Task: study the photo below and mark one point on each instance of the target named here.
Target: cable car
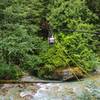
(51, 40)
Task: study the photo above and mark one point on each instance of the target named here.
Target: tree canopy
(22, 47)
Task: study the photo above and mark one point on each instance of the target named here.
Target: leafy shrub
(20, 44)
(9, 72)
(19, 26)
(52, 57)
(69, 50)
(68, 14)
(78, 51)
(20, 48)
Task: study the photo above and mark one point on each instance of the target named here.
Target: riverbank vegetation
(22, 48)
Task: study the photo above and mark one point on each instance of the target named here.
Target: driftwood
(22, 82)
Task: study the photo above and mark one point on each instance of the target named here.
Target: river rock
(67, 74)
(27, 95)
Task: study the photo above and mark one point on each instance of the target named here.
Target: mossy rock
(64, 74)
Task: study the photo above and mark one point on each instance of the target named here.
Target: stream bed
(85, 89)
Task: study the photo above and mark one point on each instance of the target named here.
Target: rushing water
(69, 90)
(86, 89)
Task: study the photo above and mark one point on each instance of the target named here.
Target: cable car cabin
(51, 40)
(46, 31)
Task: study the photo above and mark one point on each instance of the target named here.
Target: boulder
(64, 74)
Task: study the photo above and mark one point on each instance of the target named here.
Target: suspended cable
(79, 31)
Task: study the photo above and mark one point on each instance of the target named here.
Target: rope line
(82, 31)
(78, 65)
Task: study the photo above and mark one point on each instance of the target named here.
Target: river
(85, 89)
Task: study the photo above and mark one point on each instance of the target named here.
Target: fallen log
(22, 82)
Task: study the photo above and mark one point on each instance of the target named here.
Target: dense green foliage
(63, 14)
(9, 72)
(71, 48)
(19, 41)
(94, 5)
(21, 44)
